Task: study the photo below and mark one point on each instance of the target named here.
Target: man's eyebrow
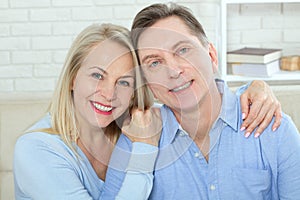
(174, 47)
(182, 42)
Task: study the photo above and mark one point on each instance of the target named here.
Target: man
(203, 153)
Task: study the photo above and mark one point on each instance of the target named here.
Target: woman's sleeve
(42, 172)
(130, 173)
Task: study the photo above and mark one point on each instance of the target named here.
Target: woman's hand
(259, 105)
(143, 126)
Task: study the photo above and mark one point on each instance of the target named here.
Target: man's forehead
(160, 38)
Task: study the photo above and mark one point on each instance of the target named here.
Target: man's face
(177, 67)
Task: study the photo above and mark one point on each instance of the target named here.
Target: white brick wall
(35, 35)
(275, 26)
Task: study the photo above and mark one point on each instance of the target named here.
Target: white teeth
(182, 87)
(102, 108)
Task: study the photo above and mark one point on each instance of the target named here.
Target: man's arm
(289, 161)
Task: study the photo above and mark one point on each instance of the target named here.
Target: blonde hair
(62, 108)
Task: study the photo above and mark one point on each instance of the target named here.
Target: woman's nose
(108, 91)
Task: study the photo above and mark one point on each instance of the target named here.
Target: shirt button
(182, 133)
(225, 124)
(196, 155)
(212, 187)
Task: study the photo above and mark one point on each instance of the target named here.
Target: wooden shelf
(259, 1)
(280, 76)
(283, 77)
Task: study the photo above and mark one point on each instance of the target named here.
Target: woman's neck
(97, 148)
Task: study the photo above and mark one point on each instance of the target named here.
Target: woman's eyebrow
(128, 76)
(99, 68)
(149, 57)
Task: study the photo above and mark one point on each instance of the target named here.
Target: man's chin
(186, 106)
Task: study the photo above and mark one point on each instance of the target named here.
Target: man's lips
(182, 87)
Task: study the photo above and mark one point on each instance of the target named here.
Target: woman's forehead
(106, 53)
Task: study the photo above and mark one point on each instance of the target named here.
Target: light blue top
(267, 167)
(46, 168)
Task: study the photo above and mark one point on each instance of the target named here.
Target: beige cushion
(16, 116)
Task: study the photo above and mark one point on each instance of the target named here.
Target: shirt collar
(170, 126)
(229, 109)
(228, 114)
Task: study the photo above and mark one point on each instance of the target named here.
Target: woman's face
(104, 85)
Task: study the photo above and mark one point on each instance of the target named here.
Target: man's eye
(183, 50)
(124, 83)
(154, 64)
(97, 75)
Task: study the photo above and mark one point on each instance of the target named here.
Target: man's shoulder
(286, 135)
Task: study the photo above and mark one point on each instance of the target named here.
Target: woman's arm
(43, 171)
(138, 180)
(130, 173)
(259, 105)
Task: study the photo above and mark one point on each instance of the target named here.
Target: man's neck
(198, 121)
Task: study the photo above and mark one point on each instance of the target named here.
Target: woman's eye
(97, 75)
(124, 83)
(154, 64)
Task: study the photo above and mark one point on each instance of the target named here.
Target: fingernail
(243, 128)
(256, 135)
(243, 115)
(274, 129)
(247, 134)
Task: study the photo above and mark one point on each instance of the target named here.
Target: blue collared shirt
(267, 167)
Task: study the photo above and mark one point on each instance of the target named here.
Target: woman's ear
(73, 83)
(213, 56)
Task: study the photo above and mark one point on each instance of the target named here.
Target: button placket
(196, 154)
(212, 187)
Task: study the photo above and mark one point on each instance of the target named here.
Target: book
(253, 55)
(254, 69)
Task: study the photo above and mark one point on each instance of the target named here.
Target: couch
(18, 114)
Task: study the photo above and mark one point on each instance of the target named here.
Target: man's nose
(174, 67)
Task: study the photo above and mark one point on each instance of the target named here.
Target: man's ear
(213, 56)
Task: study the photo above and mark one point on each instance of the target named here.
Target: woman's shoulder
(36, 146)
(37, 132)
(37, 140)
(44, 122)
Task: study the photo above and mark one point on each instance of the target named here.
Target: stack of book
(258, 62)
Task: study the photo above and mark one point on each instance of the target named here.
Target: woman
(65, 154)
